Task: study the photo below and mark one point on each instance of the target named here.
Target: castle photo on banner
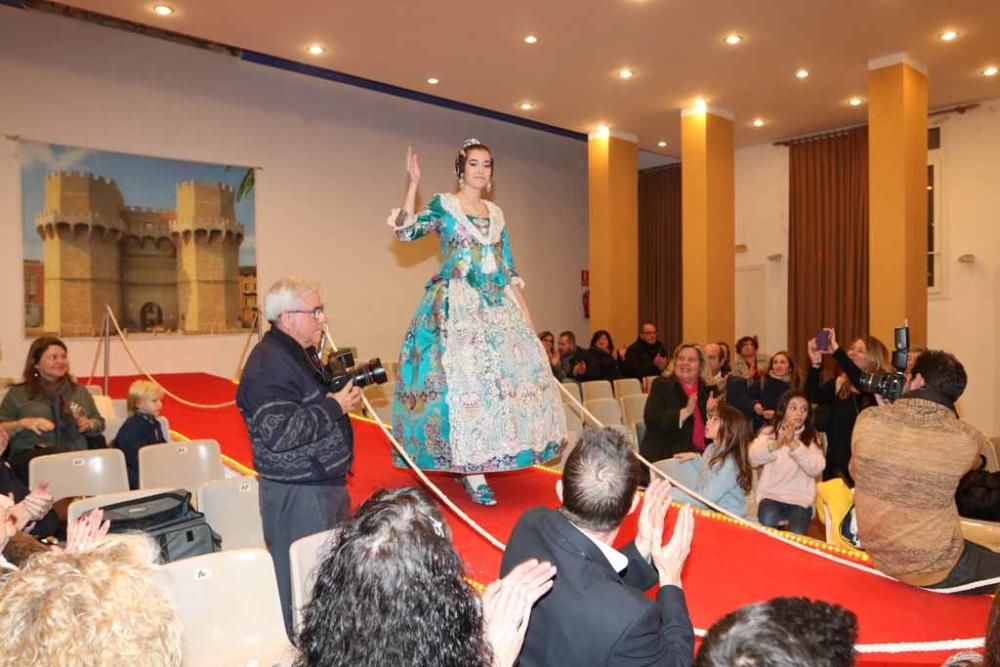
(168, 244)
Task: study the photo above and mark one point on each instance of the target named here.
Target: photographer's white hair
(286, 294)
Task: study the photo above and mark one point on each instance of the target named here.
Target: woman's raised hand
(412, 166)
(815, 356)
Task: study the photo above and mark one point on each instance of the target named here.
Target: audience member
(677, 407)
(790, 453)
(392, 592)
(572, 360)
(604, 358)
(47, 412)
(647, 356)
(722, 474)
(783, 632)
(908, 459)
(714, 377)
(549, 344)
(145, 400)
(745, 365)
(841, 398)
(32, 510)
(101, 604)
(597, 612)
(764, 394)
(727, 358)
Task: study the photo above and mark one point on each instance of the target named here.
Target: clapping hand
(507, 607)
(691, 406)
(37, 425)
(86, 530)
(412, 166)
(669, 558)
(655, 502)
(39, 501)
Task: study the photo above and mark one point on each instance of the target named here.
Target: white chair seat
(90, 472)
(597, 389)
(627, 387)
(305, 557)
(232, 509)
(180, 465)
(606, 410)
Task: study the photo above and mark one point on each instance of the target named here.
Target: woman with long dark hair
(791, 457)
(604, 361)
(764, 394)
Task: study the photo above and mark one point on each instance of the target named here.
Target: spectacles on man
(316, 312)
(649, 333)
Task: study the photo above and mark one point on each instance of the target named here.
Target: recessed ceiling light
(758, 122)
(733, 39)
(603, 130)
(948, 36)
(526, 106)
(625, 73)
(661, 144)
(701, 103)
(316, 50)
(802, 73)
(855, 101)
(990, 71)
(530, 39)
(433, 81)
(163, 10)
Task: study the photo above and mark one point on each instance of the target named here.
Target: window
(934, 234)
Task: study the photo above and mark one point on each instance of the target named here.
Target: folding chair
(183, 465)
(78, 508)
(606, 410)
(229, 608)
(105, 406)
(232, 509)
(119, 407)
(597, 389)
(627, 387)
(633, 408)
(94, 389)
(85, 473)
(574, 389)
(305, 556)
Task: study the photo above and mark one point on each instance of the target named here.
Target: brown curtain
(828, 237)
(660, 251)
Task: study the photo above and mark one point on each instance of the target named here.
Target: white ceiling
(675, 47)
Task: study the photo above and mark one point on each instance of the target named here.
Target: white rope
(906, 647)
(442, 496)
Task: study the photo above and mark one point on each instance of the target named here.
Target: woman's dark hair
(30, 378)
(463, 155)
(392, 592)
(597, 336)
(809, 435)
(794, 381)
(726, 357)
(734, 438)
(744, 340)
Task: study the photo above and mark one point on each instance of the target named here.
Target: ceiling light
(163, 10)
(625, 73)
(661, 144)
(603, 130)
(802, 74)
(733, 39)
(316, 50)
(948, 36)
(701, 104)
(526, 106)
(990, 71)
(758, 122)
(530, 39)
(855, 101)
(433, 81)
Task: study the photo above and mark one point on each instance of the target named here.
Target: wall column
(897, 173)
(613, 184)
(708, 225)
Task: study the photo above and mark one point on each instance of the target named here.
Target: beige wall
(332, 167)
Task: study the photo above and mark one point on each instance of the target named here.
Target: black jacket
(639, 359)
(768, 394)
(298, 434)
(593, 615)
(138, 431)
(664, 435)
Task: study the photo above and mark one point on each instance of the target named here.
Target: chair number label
(78, 462)
(182, 449)
(245, 487)
(202, 573)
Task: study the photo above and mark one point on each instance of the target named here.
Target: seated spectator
(101, 604)
(32, 510)
(677, 407)
(908, 459)
(549, 343)
(779, 377)
(604, 358)
(145, 400)
(782, 631)
(727, 358)
(572, 360)
(647, 356)
(722, 474)
(597, 612)
(790, 453)
(714, 363)
(47, 412)
(392, 592)
(745, 365)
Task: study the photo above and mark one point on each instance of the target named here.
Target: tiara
(471, 142)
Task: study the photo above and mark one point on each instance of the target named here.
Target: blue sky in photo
(143, 181)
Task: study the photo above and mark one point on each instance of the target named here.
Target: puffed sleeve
(508, 261)
(424, 223)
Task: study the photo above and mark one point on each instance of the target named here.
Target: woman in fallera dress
(474, 393)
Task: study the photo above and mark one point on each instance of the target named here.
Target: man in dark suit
(597, 612)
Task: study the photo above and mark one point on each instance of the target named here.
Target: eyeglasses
(316, 312)
(649, 333)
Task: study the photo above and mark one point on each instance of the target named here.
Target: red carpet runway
(729, 566)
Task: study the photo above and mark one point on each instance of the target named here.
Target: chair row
(585, 391)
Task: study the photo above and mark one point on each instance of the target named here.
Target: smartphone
(823, 340)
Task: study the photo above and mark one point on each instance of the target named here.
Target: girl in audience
(840, 398)
(47, 412)
(392, 591)
(722, 474)
(790, 453)
(145, 400)
(678, 405)
(745, 365)
(764, 395)
(549, 343)
(604, 361)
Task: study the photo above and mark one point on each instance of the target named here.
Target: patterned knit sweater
(907, 460)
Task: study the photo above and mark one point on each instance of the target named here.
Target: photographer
(301, 435)
(908, 459)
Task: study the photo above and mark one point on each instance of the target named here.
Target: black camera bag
(978, 494)
(178, 529)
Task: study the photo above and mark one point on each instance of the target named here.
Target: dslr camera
(341, 369)
(890, 385)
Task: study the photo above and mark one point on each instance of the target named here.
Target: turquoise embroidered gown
(474, 392)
